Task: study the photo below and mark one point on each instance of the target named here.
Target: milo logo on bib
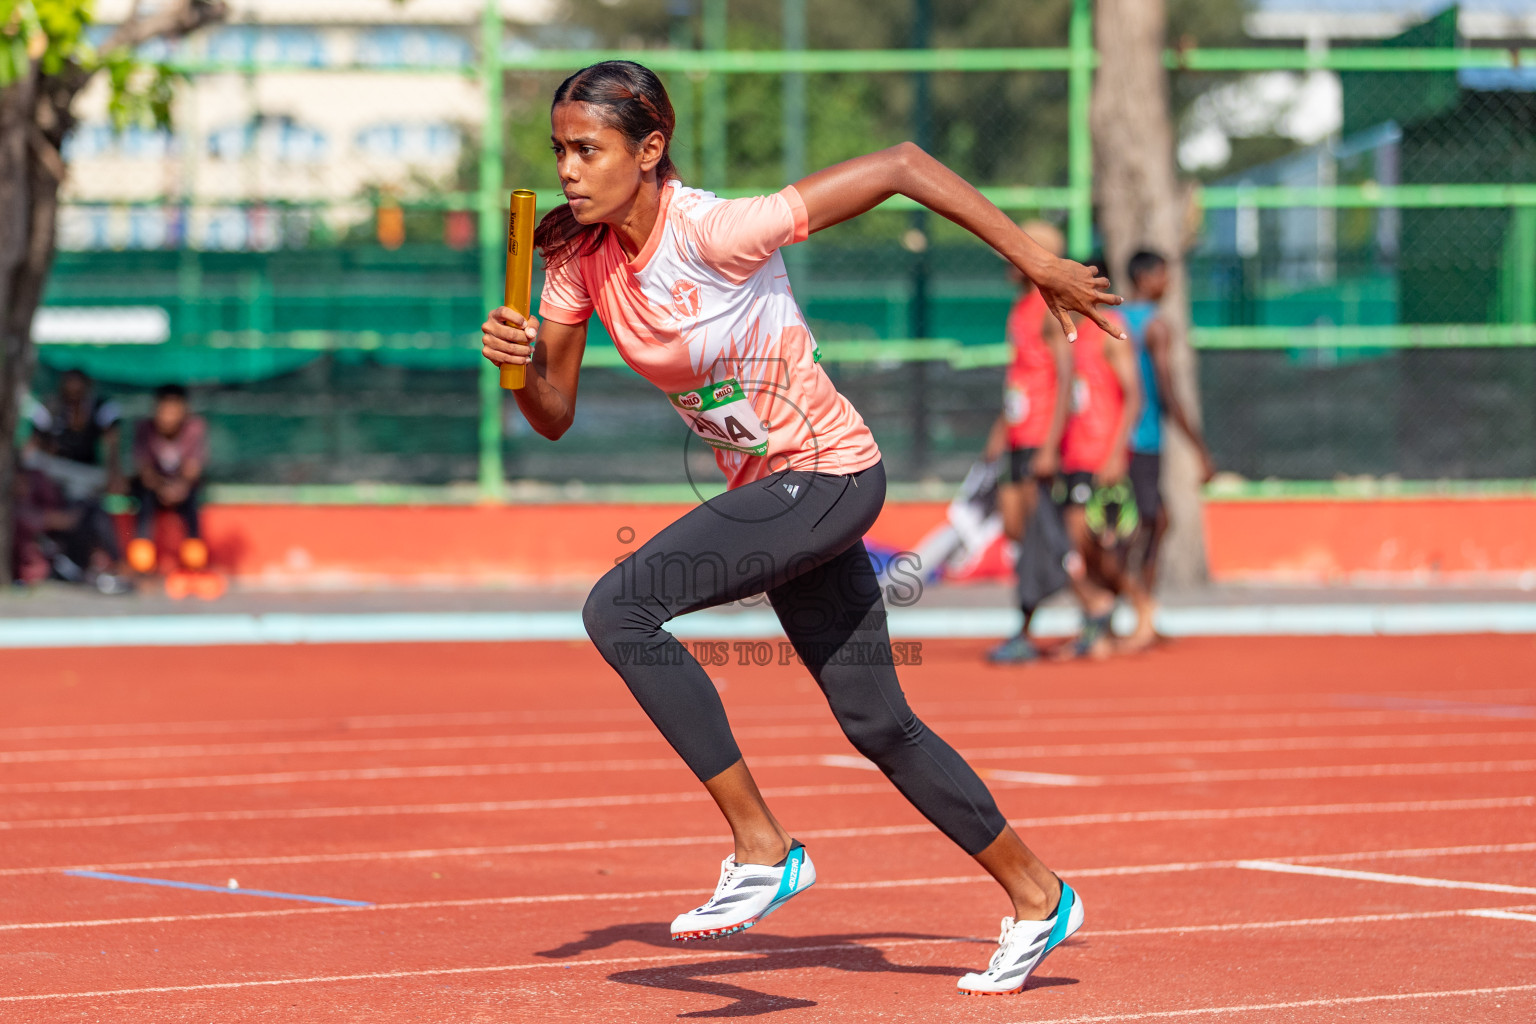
(722, 417)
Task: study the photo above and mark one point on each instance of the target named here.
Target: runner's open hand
(1069, 287)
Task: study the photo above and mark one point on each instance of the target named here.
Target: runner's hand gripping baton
(519, 292)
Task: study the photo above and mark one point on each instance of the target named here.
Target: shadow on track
(772, 953)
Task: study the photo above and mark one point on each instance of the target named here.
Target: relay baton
(519, 293)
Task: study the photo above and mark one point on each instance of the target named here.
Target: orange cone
(178, 585)
(141, 554)
(209, 586)
(193, 555)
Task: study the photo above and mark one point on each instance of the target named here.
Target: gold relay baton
(519, 292)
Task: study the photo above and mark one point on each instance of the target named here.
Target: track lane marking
(1299, 1004)
(694, 893)
(1022, 707)
(859, 948)
(481, 901)
(1376, 876)
(1502, 914)
(1343, 771)
(671, 763)
(227, 890)
(661, 841)
(1134, 723)
(503, 806)
(495, 969)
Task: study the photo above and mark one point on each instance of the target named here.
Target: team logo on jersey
(685, 299)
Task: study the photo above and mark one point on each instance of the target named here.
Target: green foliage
(49, 35)
(48, 32)
(141, 93)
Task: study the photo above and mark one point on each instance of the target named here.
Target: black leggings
(798, 536)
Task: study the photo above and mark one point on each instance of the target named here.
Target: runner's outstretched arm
(855, 186)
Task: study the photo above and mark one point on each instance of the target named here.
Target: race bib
(1079, 395)
(723, 417)
(1015, 404)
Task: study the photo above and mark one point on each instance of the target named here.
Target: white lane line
(1407, 741)
(1503, 915)
(1041, 778)
(1345, 771)
(862, 764)
(761, 955)
(845, 947)
(1409, 854)
(1084, 724)
(581, 846)
(1345, 619)
(1302, 922)
(446, 771)
(1376, 876)
(693, 893)
(671, 763)
(475, 807)
(504, 806)
(1300, 1004)
(1022, 707)
(338, 723)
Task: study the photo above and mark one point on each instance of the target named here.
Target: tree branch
(175, 20)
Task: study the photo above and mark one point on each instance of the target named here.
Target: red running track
(1275, 830)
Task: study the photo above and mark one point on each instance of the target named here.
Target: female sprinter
(693, 290)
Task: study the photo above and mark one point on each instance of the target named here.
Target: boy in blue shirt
(1152, 341)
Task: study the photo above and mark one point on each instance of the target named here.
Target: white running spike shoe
(745, 894)
(1022, 946)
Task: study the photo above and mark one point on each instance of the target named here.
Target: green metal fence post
(793, 91)
(492, 252)
(1520, 267)
(680, 86)
(1080, 130)
(714, 99)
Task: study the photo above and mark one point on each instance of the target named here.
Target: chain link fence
(1363, 275)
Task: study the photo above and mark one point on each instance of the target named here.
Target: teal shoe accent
(789, 884)
(1063, 918)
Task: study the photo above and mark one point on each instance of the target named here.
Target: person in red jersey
(1106, 401)
(1036, 394)
(695, 295)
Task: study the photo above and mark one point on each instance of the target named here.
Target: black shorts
(1018, 464)
(1146, 471)
(1077, 488)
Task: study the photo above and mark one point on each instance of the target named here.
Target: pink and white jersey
(704, 312)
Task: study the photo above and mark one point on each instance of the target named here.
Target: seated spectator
(81, 429)
(170, 450)
(63, 539)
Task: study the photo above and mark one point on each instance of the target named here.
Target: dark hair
(1144, 262)
(165, 391)
(632, 100)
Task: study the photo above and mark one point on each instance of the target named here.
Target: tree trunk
(1141, 205)
(16, 103)
(34, 116)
